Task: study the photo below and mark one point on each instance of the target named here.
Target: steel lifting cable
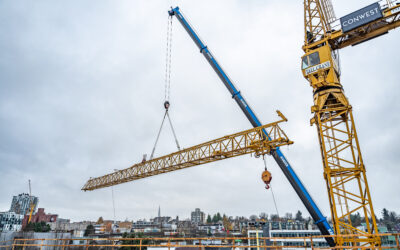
(173, 131)
(158, 136)
(167, 87)
(168, 58)
(168, 76)
(270, 187)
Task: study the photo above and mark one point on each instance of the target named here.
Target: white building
(256, 243)
(99, 228)
(10, 221)
(211, 228)
(285, 239)
(21, 204)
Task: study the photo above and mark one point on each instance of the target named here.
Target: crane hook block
(166, 105)
(267, 178)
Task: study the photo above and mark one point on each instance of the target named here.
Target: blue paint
(204, 50)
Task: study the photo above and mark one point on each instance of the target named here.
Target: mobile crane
(180, 159)
(344, 170)
(276, 153)
(31, 204)
(321, 38)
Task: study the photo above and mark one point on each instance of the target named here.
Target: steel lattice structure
(246, 142)
(344, 169)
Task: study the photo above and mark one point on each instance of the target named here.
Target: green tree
(209, 220)
(299, 216)
(356, 219)
(219, 217)
(133, 239)
(393, 217)
(385, 215)
(89, 230)
(274, 217)
(227, 224)
(39, 227)
(288, 216)
(30, 227)
(100, 220)
(215, 219)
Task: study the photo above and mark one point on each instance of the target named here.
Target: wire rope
(270, 187)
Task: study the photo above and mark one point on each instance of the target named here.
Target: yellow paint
(344, 170)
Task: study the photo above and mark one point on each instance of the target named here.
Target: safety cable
(270, 187)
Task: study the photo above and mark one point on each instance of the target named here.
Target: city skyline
(82, 95)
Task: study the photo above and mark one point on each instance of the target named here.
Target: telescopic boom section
(280, 159)
(246, 142)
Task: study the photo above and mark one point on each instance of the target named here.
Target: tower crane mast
(344, 169)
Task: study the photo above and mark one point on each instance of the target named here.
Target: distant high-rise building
(21, 203)
(197, 216)
(10, 221)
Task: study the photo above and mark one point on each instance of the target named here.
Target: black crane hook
(166, 105)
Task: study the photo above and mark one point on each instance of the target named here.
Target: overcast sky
(82, 88)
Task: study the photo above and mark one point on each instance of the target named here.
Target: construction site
(197, 134)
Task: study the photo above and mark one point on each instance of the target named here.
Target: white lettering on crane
(395, 10)
(244, 103)
(315, 68)
(361, 17)
(284, 161)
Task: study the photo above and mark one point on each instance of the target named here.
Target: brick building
(40, 216)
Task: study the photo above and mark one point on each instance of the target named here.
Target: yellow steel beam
(389, 21)
(338, 39)
(246, 142)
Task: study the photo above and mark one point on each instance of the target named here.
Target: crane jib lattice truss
(246, 142)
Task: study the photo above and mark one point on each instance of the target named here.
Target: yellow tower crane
(344, 170)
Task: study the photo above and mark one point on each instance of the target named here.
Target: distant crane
(31, 203)
(344, 170)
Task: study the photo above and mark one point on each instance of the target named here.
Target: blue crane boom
(280, 159)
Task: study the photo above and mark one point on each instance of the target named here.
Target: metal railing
(6, 244)
(235, 243)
